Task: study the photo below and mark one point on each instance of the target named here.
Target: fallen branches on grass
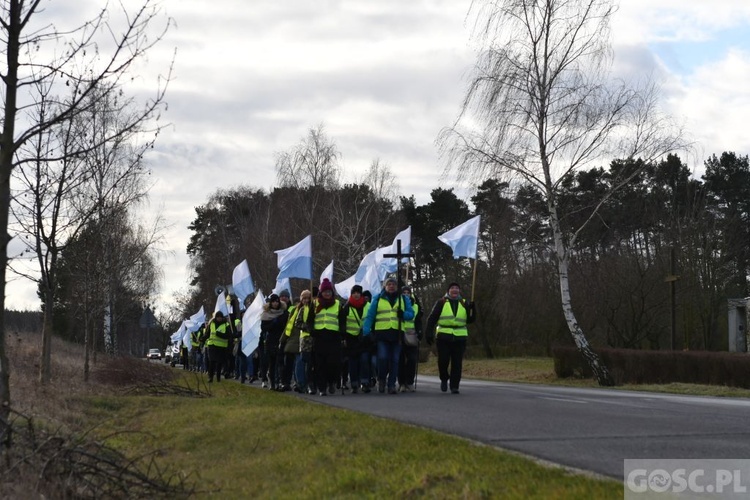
(53, 465)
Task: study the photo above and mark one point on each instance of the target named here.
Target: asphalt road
(588, 429)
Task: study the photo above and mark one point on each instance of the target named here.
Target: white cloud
(250, 79)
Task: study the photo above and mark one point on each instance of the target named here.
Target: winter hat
(357, 289)
(305, 293)
(272, 297)
(284, 293)
(406, 288)
(452, 284)
(390, 279)
(325, 285)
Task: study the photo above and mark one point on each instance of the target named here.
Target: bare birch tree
(95, 56)
(542, 103)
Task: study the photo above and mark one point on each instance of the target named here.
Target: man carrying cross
(385, 321)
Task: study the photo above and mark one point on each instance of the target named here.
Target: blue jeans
(302, 368)
(388, 354)
(359, 368)
(244, 366)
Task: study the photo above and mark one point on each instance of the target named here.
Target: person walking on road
(217, 343)
(329, 326)
(407, 368)
(357, 351)
(272, 325)
(446, 325)
(385, 320)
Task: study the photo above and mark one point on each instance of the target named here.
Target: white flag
(177, 336)
(389, 265)
(327, 273)
(186, 341)
(463, 239)
(196, 320)
(242, 282)
(344, 288)
(251, 324)
(371, 281)
(282, 284)
(371, 260)
(221, 304)
(296, 261)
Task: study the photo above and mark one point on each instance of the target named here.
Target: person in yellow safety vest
(407, 367)
(447, 325)
(329, 327)
(218, 342)
(195, 349)
(385, 320)
(297, 342)
(286, 358)
(357, 350)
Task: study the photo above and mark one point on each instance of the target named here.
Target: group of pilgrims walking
(320, 344)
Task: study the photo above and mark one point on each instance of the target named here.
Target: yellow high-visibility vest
(293, 320)
(386, 317)
(354, 320)
(409, 325)
(328, 318)
(214, 339)
(450, 324)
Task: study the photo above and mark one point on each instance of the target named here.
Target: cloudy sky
(384, 77)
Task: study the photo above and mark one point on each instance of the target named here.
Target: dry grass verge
(52, 453)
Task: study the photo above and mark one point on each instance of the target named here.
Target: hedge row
(631, 366)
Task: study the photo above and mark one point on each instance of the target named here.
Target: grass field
(243, 442)
(541, 371)
(248, 443)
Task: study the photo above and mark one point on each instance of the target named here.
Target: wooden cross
(398, 256)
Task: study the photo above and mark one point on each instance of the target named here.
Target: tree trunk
(45, 371)
(7, 149)
(86, 339)
(601, 373)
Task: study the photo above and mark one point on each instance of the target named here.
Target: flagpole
(474, 280)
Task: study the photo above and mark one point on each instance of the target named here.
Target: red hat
(325, 285)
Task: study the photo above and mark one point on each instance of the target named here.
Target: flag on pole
(221, 304)
(344, 288)
(371, 260)
(389, 265)
(251, 324)
(196, 320)
(177, 336)
(327, 273)
(282, 284)
(295, 261)
(372, 280)
(242, 282)
(186, 341)
(463, 239)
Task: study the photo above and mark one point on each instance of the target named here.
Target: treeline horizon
(618, 265)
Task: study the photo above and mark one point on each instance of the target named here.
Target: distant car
(154, 354)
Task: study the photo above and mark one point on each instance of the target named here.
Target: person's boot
(444, 385)
(381, 387)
